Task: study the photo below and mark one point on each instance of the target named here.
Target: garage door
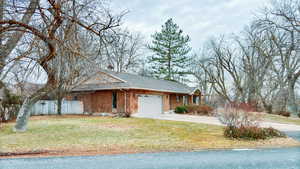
(150, 104)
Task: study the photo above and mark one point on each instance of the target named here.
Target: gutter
(120, 88)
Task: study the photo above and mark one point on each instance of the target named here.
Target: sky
(200, 19)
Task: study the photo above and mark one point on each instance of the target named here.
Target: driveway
(212, 120)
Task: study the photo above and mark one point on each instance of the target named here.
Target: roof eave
(138, 88)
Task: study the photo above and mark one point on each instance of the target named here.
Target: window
(75, 98)
(177, 98)
(185, 100)
(114, 100)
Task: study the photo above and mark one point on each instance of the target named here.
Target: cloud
(200, 19)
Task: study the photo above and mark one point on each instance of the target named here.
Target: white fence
(47, 107)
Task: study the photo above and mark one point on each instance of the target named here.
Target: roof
(131, 81)
(24, 88)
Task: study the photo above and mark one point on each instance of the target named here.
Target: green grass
(281, 119)
(86, 133)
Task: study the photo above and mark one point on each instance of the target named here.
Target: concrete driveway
(212, 120)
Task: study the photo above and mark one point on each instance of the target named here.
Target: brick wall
(101, 101)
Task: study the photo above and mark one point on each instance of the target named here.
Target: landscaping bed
(89, 135)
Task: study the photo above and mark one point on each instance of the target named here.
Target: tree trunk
(13, 40)
(24, 112)
(23, 115)
(268, 107)
(2, 58)
(59, 105)
(169, 69)
(291, 101)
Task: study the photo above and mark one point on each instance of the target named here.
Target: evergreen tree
(170, 48)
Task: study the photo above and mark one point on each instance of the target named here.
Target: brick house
(111, 92)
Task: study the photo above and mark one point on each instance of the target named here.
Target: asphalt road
(281, 158)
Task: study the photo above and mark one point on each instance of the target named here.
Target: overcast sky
(200, 19)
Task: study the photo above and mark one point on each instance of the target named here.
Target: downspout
(125, 99)
(125, 106)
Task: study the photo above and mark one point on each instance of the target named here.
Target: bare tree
(261, 64)
(198, 69)
(256, 54)
(282, 18)
(124, 52)
(49, 16)
(10, 35)
(222, 69)
(215, 76)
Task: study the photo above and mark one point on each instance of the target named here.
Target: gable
(197, 92)
(102, 78)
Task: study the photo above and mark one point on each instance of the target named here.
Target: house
(24, 89)
(112, 92)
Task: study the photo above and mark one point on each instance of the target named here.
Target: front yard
(87, 135)
(281, 119)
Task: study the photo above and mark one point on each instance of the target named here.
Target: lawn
(104, 135)
(281, 119)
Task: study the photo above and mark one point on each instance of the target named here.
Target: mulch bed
(5, 154)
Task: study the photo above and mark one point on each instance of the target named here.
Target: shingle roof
(131, 81)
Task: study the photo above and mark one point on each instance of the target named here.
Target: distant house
(24, 89)
(111, 92)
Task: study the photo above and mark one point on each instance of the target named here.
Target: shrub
(200, 109)
(180, 109)
(123, 114)
(191, 109)
(244, 124)
(299, 115)
(234, 117)
(271, 132)
(284, 113)
(252, 133)
(9, 106)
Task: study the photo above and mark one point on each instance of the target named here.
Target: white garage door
(150, 104)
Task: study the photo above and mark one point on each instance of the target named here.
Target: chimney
(110, 67)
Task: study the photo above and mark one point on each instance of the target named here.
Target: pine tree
(170, 48)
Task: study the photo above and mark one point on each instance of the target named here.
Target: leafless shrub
(232, 116)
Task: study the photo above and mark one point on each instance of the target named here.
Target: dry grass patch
(281, 119)
(101, 135)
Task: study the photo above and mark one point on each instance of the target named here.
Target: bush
(181, 110)
(200, 109)
(299, 115)
(9, 106)
(284, 113)
(235, 117)
(271, 132)
(123, 114)
(244, 124)
(251, 133)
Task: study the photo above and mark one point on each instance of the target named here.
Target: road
(281, 158)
